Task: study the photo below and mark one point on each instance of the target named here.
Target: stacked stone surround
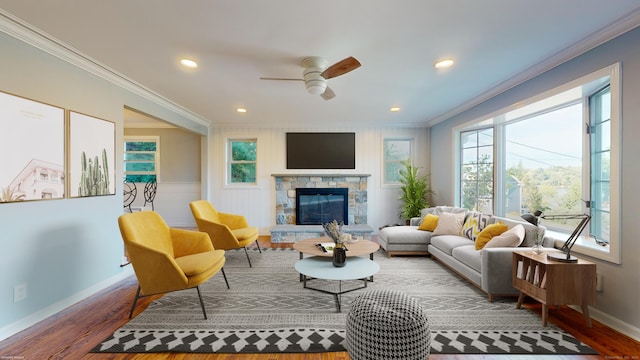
(286, 229)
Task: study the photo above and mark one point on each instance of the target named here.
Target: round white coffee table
(317, 267)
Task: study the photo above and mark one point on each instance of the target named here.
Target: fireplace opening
(316, 206)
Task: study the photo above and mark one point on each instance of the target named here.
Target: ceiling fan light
(316, 87)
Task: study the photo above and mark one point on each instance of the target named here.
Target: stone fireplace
(287, 230)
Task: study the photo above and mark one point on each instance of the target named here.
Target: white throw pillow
(510, 238)
(449, 224)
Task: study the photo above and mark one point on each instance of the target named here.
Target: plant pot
(339, 256)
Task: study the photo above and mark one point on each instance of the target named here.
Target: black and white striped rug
(267, 311)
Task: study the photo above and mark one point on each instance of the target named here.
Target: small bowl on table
(353, 239)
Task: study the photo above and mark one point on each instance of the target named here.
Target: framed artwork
(31, 150)
(91, 156)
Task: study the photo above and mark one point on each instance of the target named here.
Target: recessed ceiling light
(443, 64)
(394, 109)
(189, 63)
(241, 110)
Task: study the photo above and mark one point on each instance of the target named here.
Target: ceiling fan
(316, 73)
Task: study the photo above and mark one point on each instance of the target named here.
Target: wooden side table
(554, 283)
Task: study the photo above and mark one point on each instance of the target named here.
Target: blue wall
(63, 250)
(617, 305)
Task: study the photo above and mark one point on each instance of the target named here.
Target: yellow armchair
(227, 231)
(166, 259)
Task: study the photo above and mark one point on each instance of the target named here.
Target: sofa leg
(491, 298)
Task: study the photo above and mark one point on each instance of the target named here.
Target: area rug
(268, 311)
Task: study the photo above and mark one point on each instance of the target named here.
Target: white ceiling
(496, 44)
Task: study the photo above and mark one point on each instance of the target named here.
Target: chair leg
(247, 253)
(225, 278)
(201, 302)
(258, 245)
(135, 301)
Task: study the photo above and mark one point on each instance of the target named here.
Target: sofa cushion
(529, 229)
(437, 210)
(475, 222)
(446, 243)
(488, 233)
(449, 224)
(404, 235)
(429, 223)
(510, 238)
(468, 255)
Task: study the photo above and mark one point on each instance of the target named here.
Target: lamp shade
(530, 218)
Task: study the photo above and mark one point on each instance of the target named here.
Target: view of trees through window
(554, 155)
(543, 158)
(395, 152)
(140, 159)
(477, 170)
(242, 161)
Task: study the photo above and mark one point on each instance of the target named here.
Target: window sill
(584, 246)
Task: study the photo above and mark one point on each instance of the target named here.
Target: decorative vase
(538, 239)
(537, 248)
(339, 256)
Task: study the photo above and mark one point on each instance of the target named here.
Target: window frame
(229, 162)
(584, 245)
(385, 161)
(142, 138)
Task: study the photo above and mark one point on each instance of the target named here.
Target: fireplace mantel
(320, 175)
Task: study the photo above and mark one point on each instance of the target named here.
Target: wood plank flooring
(72, 333)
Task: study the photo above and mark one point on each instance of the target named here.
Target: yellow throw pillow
(488, 233)
(429, 222)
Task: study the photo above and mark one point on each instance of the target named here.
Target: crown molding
(29, 34)
(617, 28)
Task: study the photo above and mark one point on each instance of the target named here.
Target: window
(476, 185)
(395, 152)
(600, 151)
(242, 161)
(141, 158)
(557, 153)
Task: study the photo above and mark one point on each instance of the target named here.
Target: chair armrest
(188, 242)
(233, 221)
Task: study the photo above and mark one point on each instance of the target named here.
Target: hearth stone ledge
(293, 233)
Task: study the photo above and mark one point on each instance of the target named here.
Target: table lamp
(566, 247)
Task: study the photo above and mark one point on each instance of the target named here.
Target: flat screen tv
(321, 150)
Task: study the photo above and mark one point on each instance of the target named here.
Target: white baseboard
(612, 322)
(55, 308)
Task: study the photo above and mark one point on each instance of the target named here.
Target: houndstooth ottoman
(386, 324)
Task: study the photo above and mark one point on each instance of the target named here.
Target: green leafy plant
(415, 191)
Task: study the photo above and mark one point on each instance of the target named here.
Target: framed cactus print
(31, 150)
(91, 156)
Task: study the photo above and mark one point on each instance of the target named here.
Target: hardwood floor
(72, 333)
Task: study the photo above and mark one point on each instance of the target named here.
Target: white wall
(618, 305)
(257, 203)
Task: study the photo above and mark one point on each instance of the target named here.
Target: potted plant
(415, 191)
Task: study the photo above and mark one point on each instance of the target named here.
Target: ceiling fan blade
(280, 79)
(341, 67)
(328, 94)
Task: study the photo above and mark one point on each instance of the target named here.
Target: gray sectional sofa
(488, 268)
